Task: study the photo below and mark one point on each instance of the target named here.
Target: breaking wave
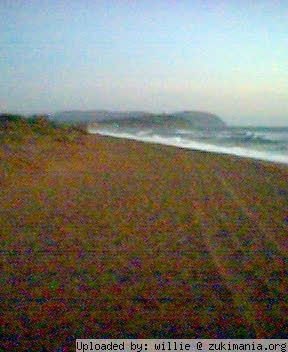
(203, 141)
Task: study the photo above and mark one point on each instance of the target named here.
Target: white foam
(196, 145)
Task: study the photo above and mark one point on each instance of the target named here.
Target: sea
(262, 143)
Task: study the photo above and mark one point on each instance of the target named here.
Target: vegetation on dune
(19, 128)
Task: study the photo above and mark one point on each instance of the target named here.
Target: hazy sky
(226, 57)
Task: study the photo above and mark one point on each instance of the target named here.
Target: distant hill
(183, 119)
(97, 115)
(200, 119)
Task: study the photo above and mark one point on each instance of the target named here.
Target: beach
(106, 237)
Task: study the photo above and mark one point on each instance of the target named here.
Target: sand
(115, 238)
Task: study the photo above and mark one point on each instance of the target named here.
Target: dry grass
(111, 238)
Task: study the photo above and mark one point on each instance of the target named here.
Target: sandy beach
(115, 238)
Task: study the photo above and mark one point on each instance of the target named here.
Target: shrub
(6, 119)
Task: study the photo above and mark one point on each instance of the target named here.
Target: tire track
(238, 200)
(253, 217)
(245, 252)
(254, 288)
(240, 297)
(224, 179)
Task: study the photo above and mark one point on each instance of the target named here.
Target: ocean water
(262, 143)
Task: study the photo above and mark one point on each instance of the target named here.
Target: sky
(225, 57)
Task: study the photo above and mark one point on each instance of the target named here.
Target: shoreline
(283, 164)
